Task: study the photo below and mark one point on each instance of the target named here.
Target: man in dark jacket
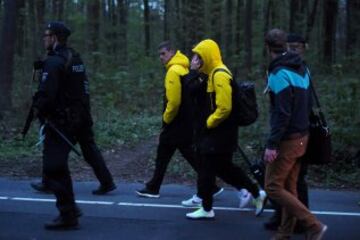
(177, 130)
(217, 131)
(296, 44)
(85, 136)
(62, 105)
(290, 100)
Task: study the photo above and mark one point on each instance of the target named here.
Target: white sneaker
(194, 201)
(201, 214)
(244, 197)
(259, 203)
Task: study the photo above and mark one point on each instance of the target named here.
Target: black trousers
(165, 151)
(221, 165)
(55, 166)
(92, 156)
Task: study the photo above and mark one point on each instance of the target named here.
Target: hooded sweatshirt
(217, 132)
(218, 85)
(177, 67)
(290, 98)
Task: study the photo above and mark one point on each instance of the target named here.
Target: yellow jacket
(177, 66)
(209, 52)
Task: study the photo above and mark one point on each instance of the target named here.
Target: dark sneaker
(40, 187)
(61, 223)
(101, 190)
(147, 193)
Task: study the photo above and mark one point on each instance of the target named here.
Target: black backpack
(244, 109)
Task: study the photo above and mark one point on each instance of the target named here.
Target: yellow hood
(178, 59)
(209, 52)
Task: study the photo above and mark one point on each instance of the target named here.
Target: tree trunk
(330, 15)
(166, 20)
(40, 22)
(311, 21)
(93, 25)
(58, 9)
(352, 27)
(238, 36)
(229, 33)
(147, 28)
(7, 40)
(216, 20)
(123, 6)
(248, 36)
(20, 28)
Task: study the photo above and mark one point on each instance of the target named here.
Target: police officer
(63, 108)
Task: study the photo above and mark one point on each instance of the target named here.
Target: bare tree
(7, 38)
(166, 20)
(216, 20)
(311, 21)
(123, 6)
(330, 15)
(229, 32)
(147, 27)
(352, 27)
(93, 20)
(248, 36)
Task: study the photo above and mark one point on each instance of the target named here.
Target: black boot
(40, 187)
(65, 221)
(103, 189)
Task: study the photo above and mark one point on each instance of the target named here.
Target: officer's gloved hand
(38, 64)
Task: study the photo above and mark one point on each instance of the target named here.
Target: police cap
(59, 29)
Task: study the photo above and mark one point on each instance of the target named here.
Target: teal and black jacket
(290, 97)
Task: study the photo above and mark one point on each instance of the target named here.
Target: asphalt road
(123, 215)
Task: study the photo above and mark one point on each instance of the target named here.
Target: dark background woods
(118, 41)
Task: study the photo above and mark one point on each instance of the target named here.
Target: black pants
(92, 156)
(165, 151)
(221, 165)
(55, 167)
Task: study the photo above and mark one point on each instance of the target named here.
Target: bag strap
(315, 96)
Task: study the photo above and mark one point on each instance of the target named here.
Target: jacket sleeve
(223, 100)
(48, 87)
(173, 95)
(281, 108)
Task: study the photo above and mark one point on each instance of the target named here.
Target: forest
(118, 42)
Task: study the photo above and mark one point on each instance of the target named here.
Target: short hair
(295, 38)
(276, 40)
(167, 45)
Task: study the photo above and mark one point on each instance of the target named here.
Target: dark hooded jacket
(290, 97)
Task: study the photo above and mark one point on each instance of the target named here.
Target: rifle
(30, 115)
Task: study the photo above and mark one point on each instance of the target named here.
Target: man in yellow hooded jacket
(177, 130)
(218, 133)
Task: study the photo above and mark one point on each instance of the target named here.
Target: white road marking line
(155, 205)
(95, 202)
(32, 199)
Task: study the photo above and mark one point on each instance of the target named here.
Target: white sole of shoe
(147, 195)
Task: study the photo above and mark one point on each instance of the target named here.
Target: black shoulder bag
(319, 146)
